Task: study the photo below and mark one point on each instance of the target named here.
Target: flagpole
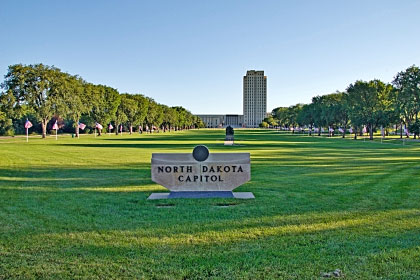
(27, 135)
(56, 132)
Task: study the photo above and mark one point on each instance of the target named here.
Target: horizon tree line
(44, 94)
(365, 106)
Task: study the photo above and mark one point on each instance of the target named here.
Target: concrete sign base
(201, 194)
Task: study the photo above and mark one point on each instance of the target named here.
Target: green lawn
(77, 208)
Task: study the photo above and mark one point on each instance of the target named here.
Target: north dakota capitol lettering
(214, 172)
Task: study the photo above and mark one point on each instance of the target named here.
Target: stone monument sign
(201, 174)
(229, 139)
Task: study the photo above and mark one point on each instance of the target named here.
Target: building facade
(214, 121)
(254, 98)
(254, 104)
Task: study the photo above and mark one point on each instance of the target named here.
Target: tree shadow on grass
(209, 135)
(180, 138)
(251, 141)
(67, 177)
(153, 146)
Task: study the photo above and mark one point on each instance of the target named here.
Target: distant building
(214, 121)
(254, 104)
(254, 98)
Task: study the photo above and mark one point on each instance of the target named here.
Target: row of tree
(364, 105)
(40, 93)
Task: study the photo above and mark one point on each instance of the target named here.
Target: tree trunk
(371, 132)
(76, 129)
(116, 128)
(131, 129)
(44, 128)
(355, 133)
(401, 130)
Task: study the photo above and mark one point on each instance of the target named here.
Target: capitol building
(254, 104)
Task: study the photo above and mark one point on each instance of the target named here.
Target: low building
(214, 121)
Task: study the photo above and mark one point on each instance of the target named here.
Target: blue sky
(195, 53)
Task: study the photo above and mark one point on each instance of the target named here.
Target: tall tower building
(254, 98)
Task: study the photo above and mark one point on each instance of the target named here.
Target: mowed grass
(77, 208)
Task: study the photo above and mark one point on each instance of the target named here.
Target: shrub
(9, 132)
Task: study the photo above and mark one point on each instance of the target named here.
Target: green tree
(343, 115)
(40, 87)
(317, 109)
(7, 113)
(181, 117)
(330, 110)
(306, 116)
(105, 102)
(264, 124)
(280, 114)
(271, 121)
(143, 104)
(154, 117)
(407, 95)
(198, 122)
(370, 103)
(335, 111)
(78, 99)
(169, 117)
(128, 111)
(292, 114)
(287, 116)
(189, 118)
(120, 116)
(6, 124)
(414, 127)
